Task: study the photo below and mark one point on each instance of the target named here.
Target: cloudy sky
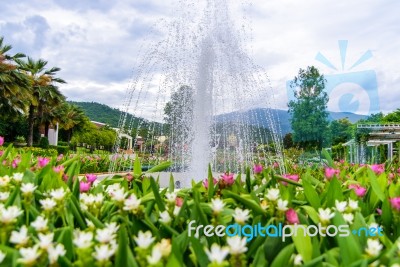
(96, 43)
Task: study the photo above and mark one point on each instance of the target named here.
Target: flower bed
(48, 216)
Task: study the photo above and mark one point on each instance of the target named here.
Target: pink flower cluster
(378, 168)
(358, 189)
(42, 162)
(291, 216)
(257, 169)
(85, 186)
(226, 179)
(331, 172)
(395, 202)
(293, 177)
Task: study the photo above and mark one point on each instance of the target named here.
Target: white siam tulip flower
(103, 252)
(58, 194)
(298, 260)
(4, 180)
(171, 197)
(112, 227)
(164, 246)
(10, 214)
(132, 203)
(164, 217)
(217, 205)
(348, 217)
(325, 215)
(90, 224)
(4, 196)
(374, 247)
(217, 254)
(237, 245)
(105, 235)
(48, 204)
(118, 195)
(20, 238)
(55, 252)
(29, 255)
(87, 199)
(17, 177)
(272, 194)
(40, 224)
(27, 189)
(2, 256)
(45, 241)
(155, 256)
(144, 239)
(82, 239)
(282, 205)
(340, 205)
(99, 199)
(241, 216)
(353, 204)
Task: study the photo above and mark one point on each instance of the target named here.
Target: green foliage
(309, 116)
(44, 142)
(37, 151)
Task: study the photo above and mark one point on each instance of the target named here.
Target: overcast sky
(96, 43)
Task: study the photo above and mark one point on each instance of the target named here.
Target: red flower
(227, 178)
(179, 201)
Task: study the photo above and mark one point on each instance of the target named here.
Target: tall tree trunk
(31, 122)
(46, 129)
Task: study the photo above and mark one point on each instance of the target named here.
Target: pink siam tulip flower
(359, 190)
(227, 178)
(293, 177)
(379, 211)
(65, 177)
(378, 168)
(330, 172)
(84, 186)
(43, 161)
(391, 175)
(60, 157)
(129, 177)
(205, 182)
(1, 153)
(395, 203)
(15, 163)
(398, 170)
(179, 201)
(276, 165)
(258, 168)
(90, 177)
(1, 140)
(291, 216)
(59, 168)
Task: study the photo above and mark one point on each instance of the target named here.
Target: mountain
(259, 117)
(102, 113)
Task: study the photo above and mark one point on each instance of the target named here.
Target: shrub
(44, 142)
(37, 151)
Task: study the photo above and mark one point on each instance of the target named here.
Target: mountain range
(257, 116)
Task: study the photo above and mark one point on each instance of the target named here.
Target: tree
(179, 113)
(341, 131)
(392, 117)
(43, 89)
(71, 117)
(13, 84)
(309, 118)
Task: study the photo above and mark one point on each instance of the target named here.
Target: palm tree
(13, 84)
(72, 117)
(44, 92)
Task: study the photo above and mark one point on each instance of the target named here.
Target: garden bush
(44, 142)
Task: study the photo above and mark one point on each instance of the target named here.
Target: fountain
(199, 79)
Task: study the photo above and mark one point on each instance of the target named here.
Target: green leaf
(334, 192)
(171, 183)
(302, 242)
(311, 194)
(137, 168)
(325, 154)
(248, 180)
(201, 255)
(94, 220)
(157, 197)
(283, 258)
(249, 203)
(312, 213)
(121, 258)
(160, 167)
(349, 248)
(210, 183)
(375, 185)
